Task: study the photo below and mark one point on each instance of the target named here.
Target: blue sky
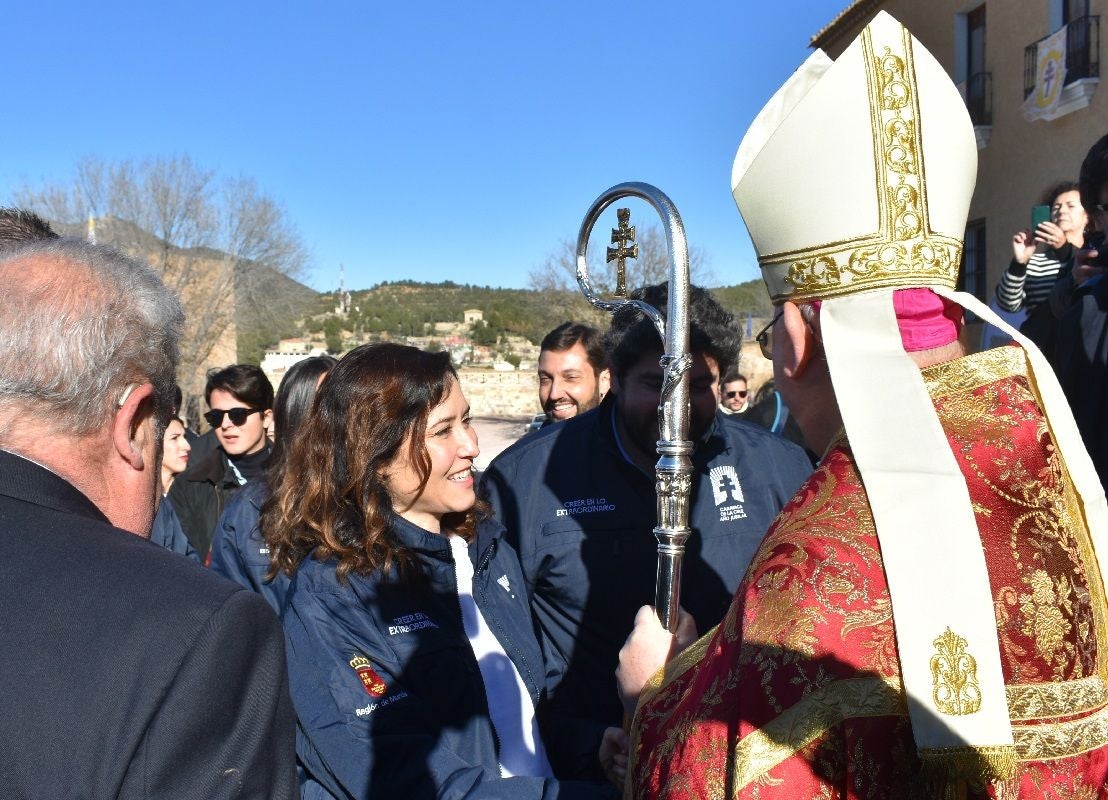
(422, 140)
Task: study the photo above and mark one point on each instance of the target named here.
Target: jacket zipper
(489, 553)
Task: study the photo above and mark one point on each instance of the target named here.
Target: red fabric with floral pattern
(797, 694)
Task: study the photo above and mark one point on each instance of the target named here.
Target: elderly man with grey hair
(127, 671)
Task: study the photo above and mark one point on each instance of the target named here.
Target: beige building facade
(988, 48)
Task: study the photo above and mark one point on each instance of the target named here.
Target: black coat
(128, 671)
(1081, 362)
(199, 495)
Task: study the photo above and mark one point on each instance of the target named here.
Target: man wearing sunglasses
(240, 403)
(733, 396)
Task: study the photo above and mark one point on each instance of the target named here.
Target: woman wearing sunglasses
(413, 662)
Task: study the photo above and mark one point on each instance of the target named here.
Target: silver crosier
(673, 472)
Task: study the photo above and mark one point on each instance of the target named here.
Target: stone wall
(516, 393)
(500, 394)
(754, 366)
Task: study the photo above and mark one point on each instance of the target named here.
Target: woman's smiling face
(451, 446)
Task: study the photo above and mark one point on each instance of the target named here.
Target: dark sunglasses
(765, 337)
(736, 393)
(238, 416)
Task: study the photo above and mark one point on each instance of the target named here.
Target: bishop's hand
(647, 650)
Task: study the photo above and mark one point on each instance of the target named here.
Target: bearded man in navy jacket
(578, 503)
(128, 671)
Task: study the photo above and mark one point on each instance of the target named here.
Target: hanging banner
(1050, 75)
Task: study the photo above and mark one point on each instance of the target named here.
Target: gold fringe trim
(977, 765)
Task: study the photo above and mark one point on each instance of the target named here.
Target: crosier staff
(673, 472)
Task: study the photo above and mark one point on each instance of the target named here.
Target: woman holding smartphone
(413, 661)
(1039, 258)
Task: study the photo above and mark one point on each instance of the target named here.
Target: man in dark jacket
(1081, 354)
(240, 402)
(128, 671)
(578, 503)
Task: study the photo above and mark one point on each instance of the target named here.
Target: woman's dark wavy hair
(332, 497)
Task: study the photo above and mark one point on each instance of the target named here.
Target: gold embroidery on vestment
(1056, 699)
(815, 714)
(904, 251)
(1053, 522)
(974, 371)
(1061, 739)
(954, 676)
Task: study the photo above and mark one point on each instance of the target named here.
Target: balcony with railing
(1082, 64)
(979, 98)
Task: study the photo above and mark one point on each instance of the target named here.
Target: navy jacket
(167, 532)
(239, 552)
(389, 698)
(199, 495)
(128, 671)
(581, 518)
(1081, 363)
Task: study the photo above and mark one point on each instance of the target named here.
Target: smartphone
(1039, 214)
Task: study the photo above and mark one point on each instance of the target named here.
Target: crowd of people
(323, 598)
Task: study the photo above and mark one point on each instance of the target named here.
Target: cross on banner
(1050, 72)
(621, 236)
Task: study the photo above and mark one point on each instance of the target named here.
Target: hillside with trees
(222, 244)
(401, 309)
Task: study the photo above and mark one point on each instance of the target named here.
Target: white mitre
(845, 140)
(855, 180)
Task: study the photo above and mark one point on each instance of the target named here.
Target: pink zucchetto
(925, 319)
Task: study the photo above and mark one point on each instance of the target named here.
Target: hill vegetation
(410, 308)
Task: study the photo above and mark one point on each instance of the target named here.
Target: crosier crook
(673, 472)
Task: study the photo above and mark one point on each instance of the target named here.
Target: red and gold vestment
(797, 693)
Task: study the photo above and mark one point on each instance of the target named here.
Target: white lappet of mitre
(854, 181)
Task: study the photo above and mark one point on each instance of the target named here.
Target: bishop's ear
(794, 342)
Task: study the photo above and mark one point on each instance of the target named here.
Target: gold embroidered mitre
(836, 176)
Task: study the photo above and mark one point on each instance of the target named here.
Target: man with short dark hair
(733, 395)
(18, 225)
(1081, 352)
(128, 672)
(578, 502)
(240, 402)
(573, 371)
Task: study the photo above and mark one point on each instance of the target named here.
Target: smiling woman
(412, 655)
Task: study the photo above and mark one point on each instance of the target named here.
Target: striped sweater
(1025, 286)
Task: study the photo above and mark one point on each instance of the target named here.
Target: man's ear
(603, 382)
(129, 428)
(794, 343)
(613, 381)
